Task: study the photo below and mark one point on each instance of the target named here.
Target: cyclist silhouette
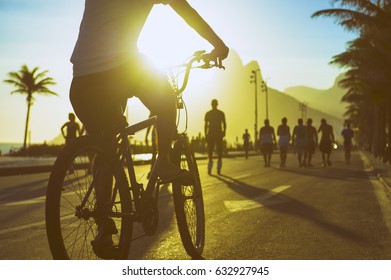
(215, 127)
(108, 69)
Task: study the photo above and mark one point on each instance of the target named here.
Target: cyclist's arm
(194, 20)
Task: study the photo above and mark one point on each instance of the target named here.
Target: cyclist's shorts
(99, 99)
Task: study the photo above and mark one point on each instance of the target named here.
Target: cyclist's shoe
(176, 176)
(103, 244)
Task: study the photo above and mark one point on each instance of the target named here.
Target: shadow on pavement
(293, 207)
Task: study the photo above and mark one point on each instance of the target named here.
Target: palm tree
(368, 59)
(29, 82)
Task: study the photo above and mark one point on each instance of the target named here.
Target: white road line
(25, 202)
(257, 202)
(18, 228)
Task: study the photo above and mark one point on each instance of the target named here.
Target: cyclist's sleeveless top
(109, 33)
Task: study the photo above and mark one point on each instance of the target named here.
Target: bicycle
(71, 211)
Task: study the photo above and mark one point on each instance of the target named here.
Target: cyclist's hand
(219, 54)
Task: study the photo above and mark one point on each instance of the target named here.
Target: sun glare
(167, 40)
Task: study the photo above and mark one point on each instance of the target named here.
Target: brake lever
(216, 63)
(219, 63)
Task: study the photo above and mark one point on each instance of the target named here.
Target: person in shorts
(284, 134)
(215, 129)
(268, 140)
(300, 141)
(326, 141)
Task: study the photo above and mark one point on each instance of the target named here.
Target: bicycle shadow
(160, 245)
(291, 207)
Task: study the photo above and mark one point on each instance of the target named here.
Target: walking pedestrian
(312, 142)
(284, 134)
(268, 139)
(299, 141)
(246, 142)
(326, 141)
(215, 128)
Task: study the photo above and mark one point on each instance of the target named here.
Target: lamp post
(254, 80)
(266, 90)
(303, 109)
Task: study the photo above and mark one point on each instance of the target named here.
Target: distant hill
(328, 100)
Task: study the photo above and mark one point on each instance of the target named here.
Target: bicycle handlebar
(198, 56)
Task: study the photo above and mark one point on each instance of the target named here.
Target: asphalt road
(252, 212)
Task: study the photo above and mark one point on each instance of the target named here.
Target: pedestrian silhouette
(326, 141)
(299, 141)
(348, 135)
(312, 142)
(246, 142)
(215, 128)
(284, 134)
(71, 129)
(268, 139)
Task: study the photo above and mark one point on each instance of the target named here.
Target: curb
(24, 170)
(384, 179)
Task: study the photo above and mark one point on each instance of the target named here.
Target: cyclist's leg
(155, 92)
(101, 113)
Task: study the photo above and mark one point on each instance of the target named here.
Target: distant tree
(29, 83)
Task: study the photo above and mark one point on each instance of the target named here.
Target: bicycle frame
(135, 187)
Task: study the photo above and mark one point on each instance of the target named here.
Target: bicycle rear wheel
(189, 204)
(71, 202)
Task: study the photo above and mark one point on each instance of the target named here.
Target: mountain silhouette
(328, 100)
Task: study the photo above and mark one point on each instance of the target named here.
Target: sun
(166, 38)
(167, 41)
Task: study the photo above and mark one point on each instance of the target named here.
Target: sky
(291, 48)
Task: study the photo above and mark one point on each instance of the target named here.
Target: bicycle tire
(70, 229)
(189, 204)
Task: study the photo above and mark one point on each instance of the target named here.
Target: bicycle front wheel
(189, 204)
(71, 201)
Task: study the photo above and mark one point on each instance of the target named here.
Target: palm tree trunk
(29, 103)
